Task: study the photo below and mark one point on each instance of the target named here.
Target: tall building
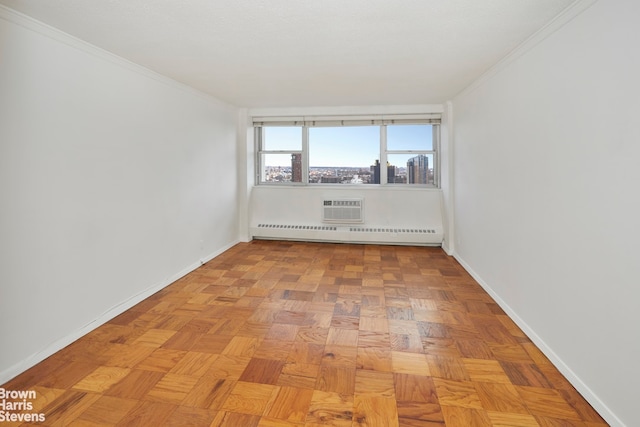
(391, 173)
(418, 170)
(375, 172)
(296, 167)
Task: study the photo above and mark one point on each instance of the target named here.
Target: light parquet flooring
(309, 334)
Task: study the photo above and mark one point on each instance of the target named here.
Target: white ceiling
(279, 53)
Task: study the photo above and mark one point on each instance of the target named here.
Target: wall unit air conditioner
(344, 211)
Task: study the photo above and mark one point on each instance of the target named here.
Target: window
(280, 154)
(348, 152)
(343, 155)
(411, 155)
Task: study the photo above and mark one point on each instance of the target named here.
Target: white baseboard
(114, 311)
(582, 388)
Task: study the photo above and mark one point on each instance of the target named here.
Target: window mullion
(383, 155)
(436, 155)
(411, 152)
(260, 169)
(305, 155)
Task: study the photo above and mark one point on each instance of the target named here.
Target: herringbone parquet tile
(309, 334)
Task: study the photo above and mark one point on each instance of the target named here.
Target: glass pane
(410, 137)
(410, 169)
(343, 155)
(281, 167)
(282, 138)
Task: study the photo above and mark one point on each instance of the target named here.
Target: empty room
(337, 213)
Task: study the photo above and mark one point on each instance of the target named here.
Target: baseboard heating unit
(349, 234)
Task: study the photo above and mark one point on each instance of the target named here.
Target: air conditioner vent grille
(343, 210)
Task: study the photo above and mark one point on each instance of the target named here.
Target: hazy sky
(357, 146)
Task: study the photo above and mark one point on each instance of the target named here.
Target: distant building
(375, 173)
(418, 170)
(391, 173)
(296, 167)
(330, 179)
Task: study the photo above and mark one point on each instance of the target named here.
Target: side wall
(112, 183)
(546, 198)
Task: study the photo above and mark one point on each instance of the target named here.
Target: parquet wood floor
(309, 334)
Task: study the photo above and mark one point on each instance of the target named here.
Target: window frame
(260, 153)
(306, 123)
(435, 150)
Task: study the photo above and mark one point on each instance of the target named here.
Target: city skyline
(417, 171)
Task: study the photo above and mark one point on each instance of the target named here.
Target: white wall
(113, 182)
(546, 198)
(383, 207)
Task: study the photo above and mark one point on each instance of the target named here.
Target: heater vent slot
(393, 230)
(429, 235)
(345, 211)
(298, 227)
